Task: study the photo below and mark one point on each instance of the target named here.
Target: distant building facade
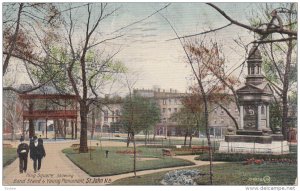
(169, 102)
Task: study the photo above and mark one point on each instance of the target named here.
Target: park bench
(196, 149)
(75, 145)
(167, 152)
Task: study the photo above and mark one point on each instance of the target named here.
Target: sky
(162, 62)
(145, 48)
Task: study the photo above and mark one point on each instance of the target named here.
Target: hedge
(235, 157)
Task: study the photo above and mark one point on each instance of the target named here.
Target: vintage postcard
(164, 93)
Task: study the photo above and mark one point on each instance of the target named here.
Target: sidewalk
(57, 169)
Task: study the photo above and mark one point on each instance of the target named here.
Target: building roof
(254, 53)
(251, 88)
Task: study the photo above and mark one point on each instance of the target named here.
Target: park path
(57, 169)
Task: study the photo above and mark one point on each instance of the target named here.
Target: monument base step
(249, 138)
(276, 147)
(248, 132)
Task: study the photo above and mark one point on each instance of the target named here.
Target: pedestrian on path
(37, 152)
(40, 139)
(22, 151)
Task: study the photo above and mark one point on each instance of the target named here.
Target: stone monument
(254, 134)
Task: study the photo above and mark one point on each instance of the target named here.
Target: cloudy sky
(145, 47)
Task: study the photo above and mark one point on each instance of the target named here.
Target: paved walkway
(57, 169)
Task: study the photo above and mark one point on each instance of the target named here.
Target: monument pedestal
(267, 144)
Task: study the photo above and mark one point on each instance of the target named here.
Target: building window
(164, 101)
(262, 110)
(175, 101)
(164, 110)
(252, 70)
(113, 113)
(113, 119)
(117, 119)
(170, 101)
(215, 121)
(117, 112)
(170, 110)
(175, 110)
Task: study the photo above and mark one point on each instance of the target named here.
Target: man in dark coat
(40, 139)
(22, 151)
(37, 152)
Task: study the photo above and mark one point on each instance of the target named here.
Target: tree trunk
(285, 89)
(191, 137)
(145, 138)
(128, 139)
(93, 125)
(206, 128)
(83, 128)
(209, 145)
(134, 155)
(185, 136)
(31, 125)
(65, 128)
(154, 134)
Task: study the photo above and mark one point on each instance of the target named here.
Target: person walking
(37, 152)
(22, 151)
(40, 139)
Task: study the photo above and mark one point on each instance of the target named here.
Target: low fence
(281, 147)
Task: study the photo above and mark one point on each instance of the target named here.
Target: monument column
(242, 116)
(258, 117)
(267, 116)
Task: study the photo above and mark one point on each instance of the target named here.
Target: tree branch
(14, 40)
(254, 29)
(205, 32)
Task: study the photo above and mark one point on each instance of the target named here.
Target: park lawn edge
(112, 174)
(11, 160)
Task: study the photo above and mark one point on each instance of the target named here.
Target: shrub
(235, 157)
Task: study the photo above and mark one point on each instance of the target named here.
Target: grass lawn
(9, 155)
(118, 163)
(230, 174)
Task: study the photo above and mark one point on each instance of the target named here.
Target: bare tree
(200, 55)
(280, 56)
(277, 29)
(21, 21)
